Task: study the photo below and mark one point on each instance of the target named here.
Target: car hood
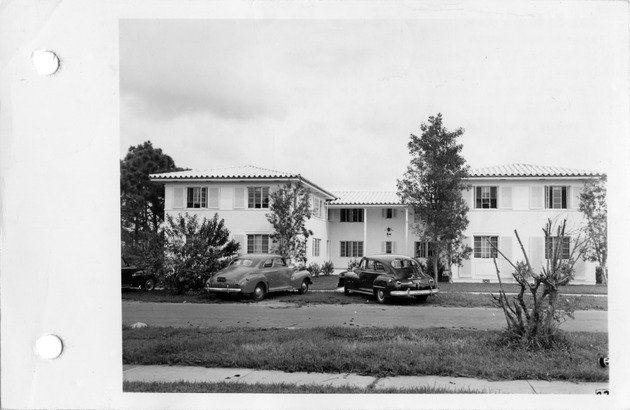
(234, 273)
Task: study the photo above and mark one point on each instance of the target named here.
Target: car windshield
(406, 267)
(242, 262)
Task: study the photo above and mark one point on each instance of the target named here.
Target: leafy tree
(593, 206)
(433, 186)
(194, 250)
(534, 322)
(141, 200)
(290, 209)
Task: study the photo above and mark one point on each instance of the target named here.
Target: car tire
(303, 287)
(346, 291)
(422, 298)
(149, 285)
(381, 295)
(259, 292)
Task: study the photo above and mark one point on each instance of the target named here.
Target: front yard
(368, 351)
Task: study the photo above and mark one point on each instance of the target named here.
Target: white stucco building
(349, 225)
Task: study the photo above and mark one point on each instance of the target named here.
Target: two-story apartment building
(349, 225)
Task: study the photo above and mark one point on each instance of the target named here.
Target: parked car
(386, 276)
(134, 277)
(257, 275)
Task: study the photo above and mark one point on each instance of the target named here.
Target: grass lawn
(368, 351)
(279, 388)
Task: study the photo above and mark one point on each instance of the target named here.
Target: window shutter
(393, 212)
(570, 199)
(382, 247)
(537, 252)
(384, 213)
(242, 240)
(506, 198)
(505, 246)
(466, 270)
(239, 198)
(178, 197)
(213, 197)
(393, 247)
(536, 197)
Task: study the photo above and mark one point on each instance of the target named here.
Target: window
(486, 197)
(318, 207)
(316, 245)
(388, 247)
(556, 197)
(258, 197)
(560, 244)
(278, 262)
(423, 250)
(483, 249)
(257, 243)
(389, 213)
(351, 249)
(197, 197)
(352, 215)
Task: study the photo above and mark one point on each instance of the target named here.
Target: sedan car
(386, 276)
(134, 277)
(257, 275)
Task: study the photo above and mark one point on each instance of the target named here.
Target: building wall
(240, 220)
(520, 208)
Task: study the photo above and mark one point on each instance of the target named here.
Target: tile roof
(365, 198)
(525, 170)
(234, 173)
(245, 171)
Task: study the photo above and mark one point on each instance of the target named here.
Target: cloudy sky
(336, 99)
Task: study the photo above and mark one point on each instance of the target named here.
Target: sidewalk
(201, 374)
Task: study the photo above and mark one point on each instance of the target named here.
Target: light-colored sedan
(257, 275)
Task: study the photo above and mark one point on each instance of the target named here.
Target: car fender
(351, 277)
(251, 282)
(298, 276)
(382, 281)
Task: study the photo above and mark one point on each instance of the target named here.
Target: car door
(282, 273)
(367, 275)
(269, 272)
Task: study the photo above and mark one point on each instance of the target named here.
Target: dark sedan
(134, 277)
(257, 275)
(386, 276)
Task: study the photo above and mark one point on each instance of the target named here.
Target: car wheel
(259, 292)
(149, 285)
(346, 291)
(303, 287)
(422, 298)
(381, 295)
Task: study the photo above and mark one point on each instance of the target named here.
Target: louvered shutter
(242, 240)
(506, 198)
(537, 253)
(536, 197)
(213, 197)
(505, 246)
(178, 197)
(239, 198)
(465, 270)
(394, 247)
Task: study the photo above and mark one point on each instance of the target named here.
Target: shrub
(328, 268)
(194, 251)
(314, 269)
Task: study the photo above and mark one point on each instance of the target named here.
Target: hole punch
(46, 62)
(48, 347)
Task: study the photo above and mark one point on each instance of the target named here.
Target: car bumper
(224, 290)
(411, 292)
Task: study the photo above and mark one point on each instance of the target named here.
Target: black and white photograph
(316, 205)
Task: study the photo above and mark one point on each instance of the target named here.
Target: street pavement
(271, 314)
(135, 373)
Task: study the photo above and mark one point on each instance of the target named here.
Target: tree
(141, 200)
(433, 186)
(593, 206)
(290, 209)
(194, 250)
(534, 322)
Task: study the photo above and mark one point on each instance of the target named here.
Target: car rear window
(242, 262)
